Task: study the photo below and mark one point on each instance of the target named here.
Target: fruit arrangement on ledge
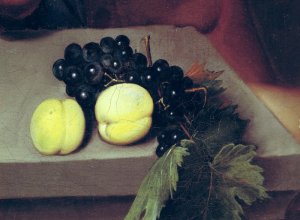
(203, 170)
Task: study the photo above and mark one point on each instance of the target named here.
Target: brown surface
(66, 209)
(116, 208)
(293, 209)
(101, 169)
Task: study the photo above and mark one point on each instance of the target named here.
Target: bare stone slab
(101, 169)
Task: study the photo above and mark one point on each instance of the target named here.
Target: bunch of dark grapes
(88, 70)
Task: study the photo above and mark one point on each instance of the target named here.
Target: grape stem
(186, 131)
(112, 80)
(148, 50)
(161, 101)
(204, 89)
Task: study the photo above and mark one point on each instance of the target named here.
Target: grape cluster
(88, 70)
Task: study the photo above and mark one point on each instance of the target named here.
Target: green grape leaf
(211, 123)
(159, 184)
(216, 127)
(192, 188)
(234, 179)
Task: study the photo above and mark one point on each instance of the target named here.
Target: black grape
(93, 73)
(123, 54)
(161, 149)
(177, 135)
(187, 83)
(106, 61)
(173, 114)
(148, 78)
(108, 45)
(73, 53)
(164, 137)
(73, 75)
(133, 77)
(122, 41)
(58, 69)
(172, 95)
(176, 74)
(162, 70)
(116, 67)
(86, 96)
(71, 90)
(91, 52)
(139, 60)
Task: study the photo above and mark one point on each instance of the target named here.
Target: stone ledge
(101, 169)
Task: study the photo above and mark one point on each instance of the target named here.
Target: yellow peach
(124, 113)
(57, 126)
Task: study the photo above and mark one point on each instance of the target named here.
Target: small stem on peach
(112, 80)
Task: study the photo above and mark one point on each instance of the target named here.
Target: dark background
(277, 24)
